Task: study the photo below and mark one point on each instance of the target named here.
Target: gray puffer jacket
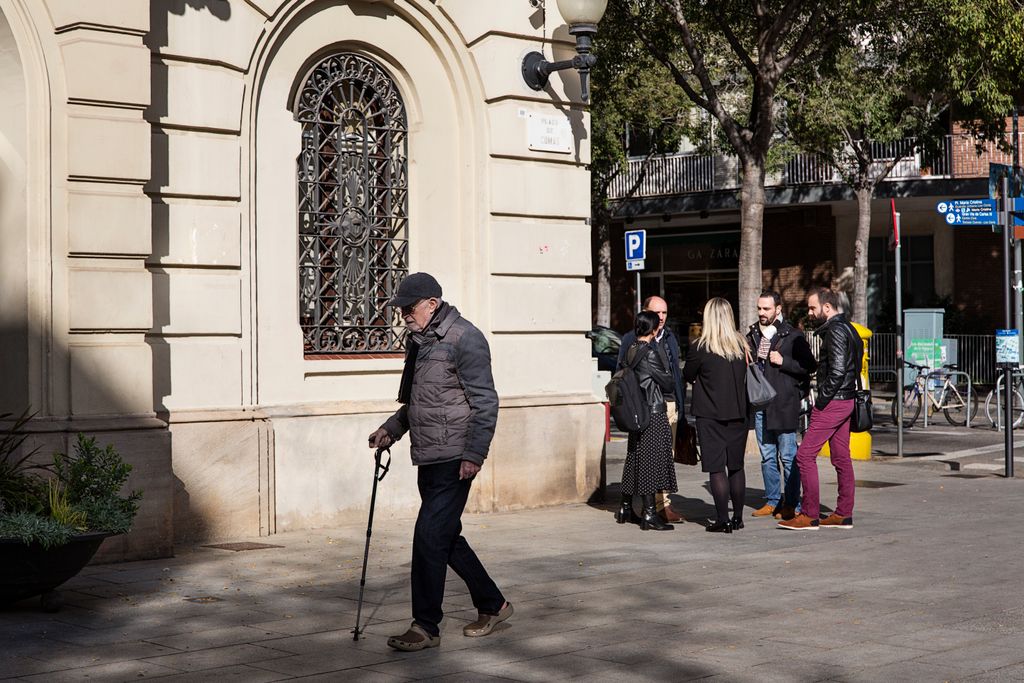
(450, 405)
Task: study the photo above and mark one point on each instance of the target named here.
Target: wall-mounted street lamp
(582, 17)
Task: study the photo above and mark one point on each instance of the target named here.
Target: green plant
(83, 493)
(31, 528)
(61, 510)
(94, 478)
(21, 487)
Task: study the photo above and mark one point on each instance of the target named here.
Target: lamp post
(582, 17)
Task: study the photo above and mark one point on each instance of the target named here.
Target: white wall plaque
(549, 133)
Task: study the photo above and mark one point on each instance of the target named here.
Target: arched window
(353, 207)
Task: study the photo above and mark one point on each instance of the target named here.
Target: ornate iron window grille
(353, 207)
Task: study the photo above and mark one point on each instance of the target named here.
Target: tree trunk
(751, 224)
(860, 256)
(603, 274)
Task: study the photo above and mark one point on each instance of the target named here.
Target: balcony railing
(691, 173)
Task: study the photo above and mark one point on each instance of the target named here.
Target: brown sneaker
(414, 640)
(784, 512)
(670, 515)
(485, 623)
(800, 523)
(764, 510)
(834, 521)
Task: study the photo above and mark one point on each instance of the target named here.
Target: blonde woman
(716, 365)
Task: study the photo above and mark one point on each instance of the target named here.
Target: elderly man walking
(450, 408)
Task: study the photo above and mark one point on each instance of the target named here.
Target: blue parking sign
(636, 245)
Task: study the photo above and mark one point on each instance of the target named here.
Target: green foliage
(61, 510)
(31, 528)
(631, 90)
(94, 477)
(84, 493)
(21, 489)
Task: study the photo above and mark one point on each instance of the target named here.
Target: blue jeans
(776, 446)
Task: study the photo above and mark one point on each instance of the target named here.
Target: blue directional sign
(636, 245)
(969, 211)
(1018, 211)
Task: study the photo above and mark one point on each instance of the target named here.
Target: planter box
(29, 570)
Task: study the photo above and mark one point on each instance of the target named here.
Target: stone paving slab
(925, 587)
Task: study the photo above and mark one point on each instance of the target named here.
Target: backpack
(626, 398)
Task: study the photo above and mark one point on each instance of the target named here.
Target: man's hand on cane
(380, 439)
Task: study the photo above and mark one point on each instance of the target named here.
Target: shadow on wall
(98, 406)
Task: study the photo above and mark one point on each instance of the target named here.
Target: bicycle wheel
(956, 406)
(911, 405)
(994, 412)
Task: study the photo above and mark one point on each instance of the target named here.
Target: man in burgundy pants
(838, 365)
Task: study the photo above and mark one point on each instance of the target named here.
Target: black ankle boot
(737, 523)
(625, 515)
(720, 527)
(651, 519)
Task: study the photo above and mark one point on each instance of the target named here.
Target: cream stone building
(203, 204)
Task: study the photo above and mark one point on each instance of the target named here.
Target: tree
(892, 89)
(632, 96)
(730, 58)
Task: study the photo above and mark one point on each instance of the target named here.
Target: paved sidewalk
(926, 587)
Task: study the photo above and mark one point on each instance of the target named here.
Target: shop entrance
(690, 268)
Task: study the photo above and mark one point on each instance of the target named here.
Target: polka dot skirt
(649, 467)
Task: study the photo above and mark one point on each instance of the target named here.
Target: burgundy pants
(830, 425)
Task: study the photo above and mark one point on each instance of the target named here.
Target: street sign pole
(638, 300)
(1008, 391)
(899, 332)
(1018, 295)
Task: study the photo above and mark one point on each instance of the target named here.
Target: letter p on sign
(636, 244)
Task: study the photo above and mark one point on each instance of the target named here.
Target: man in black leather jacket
(838, 369)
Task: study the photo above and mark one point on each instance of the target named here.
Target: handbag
(759, 392)
(686, 444)
(861, 419)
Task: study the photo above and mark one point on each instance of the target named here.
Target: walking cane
(379, 471)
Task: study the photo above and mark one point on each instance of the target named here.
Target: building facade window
(353, 194)
(917, 272)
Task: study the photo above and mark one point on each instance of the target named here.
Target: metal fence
(959, 156)
(976, 355)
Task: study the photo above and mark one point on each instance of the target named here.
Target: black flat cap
(415, 287)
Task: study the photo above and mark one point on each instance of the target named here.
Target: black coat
(719, 385)
(652, 371)
(839, 368)
(671, 346)
(791, 380)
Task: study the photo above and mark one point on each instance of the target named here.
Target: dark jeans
(438, 544)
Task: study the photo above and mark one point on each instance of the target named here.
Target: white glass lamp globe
(582, 11)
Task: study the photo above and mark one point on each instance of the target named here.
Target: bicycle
(947, 396)
(994, 413)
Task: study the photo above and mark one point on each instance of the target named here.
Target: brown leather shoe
(834, 521)
(800, 523)
(670, 515)
(785, 512)
(764, 510)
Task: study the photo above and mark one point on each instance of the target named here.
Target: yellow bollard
(860, 442)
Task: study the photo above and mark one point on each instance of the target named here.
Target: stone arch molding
(444, 99)
(29, 350)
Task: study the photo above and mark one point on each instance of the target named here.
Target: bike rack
(949, 373)
(999, 397)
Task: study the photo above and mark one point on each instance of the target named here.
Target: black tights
(724, 487)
